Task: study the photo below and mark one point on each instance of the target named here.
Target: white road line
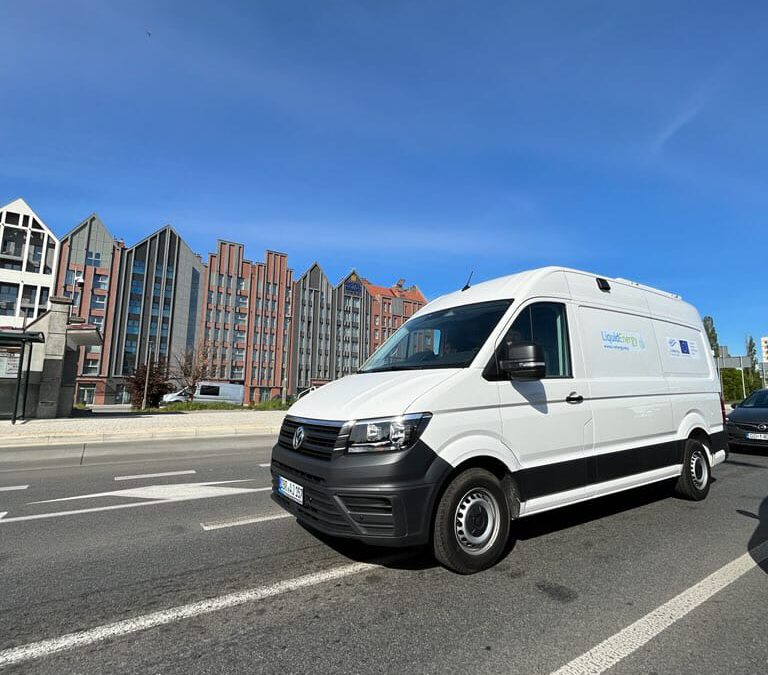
(13, 487)
(609, 652)
(156, 475)
(36, 650)
(115, 507)
(264, 466)
(246, 520)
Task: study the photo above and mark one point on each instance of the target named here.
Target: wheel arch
(694, 425)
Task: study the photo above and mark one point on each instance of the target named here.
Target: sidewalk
(130, 427)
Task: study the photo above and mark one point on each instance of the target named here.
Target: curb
(131, 437)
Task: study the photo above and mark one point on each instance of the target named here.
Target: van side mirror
(522, 361)
(734, 406)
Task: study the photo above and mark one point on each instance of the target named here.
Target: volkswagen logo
(762, 427)
(298, 438)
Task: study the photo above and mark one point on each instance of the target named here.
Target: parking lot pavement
(151, 589)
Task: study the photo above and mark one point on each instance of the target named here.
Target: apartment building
(245, 326)
(336, 328)
(390, 308)
(350, 329)
(157, 310)
(29, 254)
(313, 347)
(88, 272)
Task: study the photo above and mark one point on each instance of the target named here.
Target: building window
(97, 321)
(35, 251)
(98, 301)
(101, 281)
(90, 367)
(28, 306)
(86, 393)
(12, 248)
(9, 294)
(93, 258)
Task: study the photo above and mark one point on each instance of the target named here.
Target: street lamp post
(146, 374)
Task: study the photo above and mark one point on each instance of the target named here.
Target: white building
(764, 348)
(29, 254)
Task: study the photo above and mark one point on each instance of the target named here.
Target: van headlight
(386, 433)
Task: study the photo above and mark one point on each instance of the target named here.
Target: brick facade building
(89, 270)
(391, 308)
(336, 328)
(244, 333)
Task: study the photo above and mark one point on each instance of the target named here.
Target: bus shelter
(15, 366)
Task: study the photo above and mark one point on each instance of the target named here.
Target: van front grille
(319, 436)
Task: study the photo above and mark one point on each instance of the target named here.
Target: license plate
(757, 437)
(289, 489)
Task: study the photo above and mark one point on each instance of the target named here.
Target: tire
(696, 477)
(472, 521)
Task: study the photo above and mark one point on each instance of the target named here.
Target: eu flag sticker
(684, 347)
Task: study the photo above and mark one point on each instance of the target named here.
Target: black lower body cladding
(384, 498)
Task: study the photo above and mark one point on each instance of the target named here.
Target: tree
(191, 366)
(732, 389)
(709, 327)
(158, 385)
(751, 376)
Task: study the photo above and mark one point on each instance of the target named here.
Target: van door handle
(573, 397)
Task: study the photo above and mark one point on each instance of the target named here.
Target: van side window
(208, 390)
(545, 323)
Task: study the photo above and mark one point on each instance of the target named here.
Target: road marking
(13, 487)
(246, 520)
(152, 494)
(36, 650)
(265, 466)
(155, 475)
(174, 492)
(609, 652)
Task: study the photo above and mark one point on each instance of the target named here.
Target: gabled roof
(84, 223)
(22, 208)
(397, 291)
(352, 273)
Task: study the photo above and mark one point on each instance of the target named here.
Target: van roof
(549, 281)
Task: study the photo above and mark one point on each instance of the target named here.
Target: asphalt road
(199, 585)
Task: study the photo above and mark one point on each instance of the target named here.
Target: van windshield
(449, 338)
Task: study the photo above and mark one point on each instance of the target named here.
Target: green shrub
(274, 404)
(180, 406)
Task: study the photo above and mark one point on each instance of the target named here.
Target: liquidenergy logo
(623, 341)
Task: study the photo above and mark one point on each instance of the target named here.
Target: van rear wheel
(695, 479)
(472, 522)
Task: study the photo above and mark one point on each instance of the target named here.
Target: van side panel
(688, 367)
(633, 420)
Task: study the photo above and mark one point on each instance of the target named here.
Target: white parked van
(209, 392)
(512, 397)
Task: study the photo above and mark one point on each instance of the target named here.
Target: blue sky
(408, 139)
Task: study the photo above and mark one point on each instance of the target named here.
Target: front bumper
(383, 499)
(738, 437)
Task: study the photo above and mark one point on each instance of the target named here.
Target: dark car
(748, 422)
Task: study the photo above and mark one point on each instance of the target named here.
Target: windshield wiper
(386, 369)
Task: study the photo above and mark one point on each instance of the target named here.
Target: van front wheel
(695, 479)
(472, 521)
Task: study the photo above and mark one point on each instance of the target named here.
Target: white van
(209, 392)
(512, 397)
